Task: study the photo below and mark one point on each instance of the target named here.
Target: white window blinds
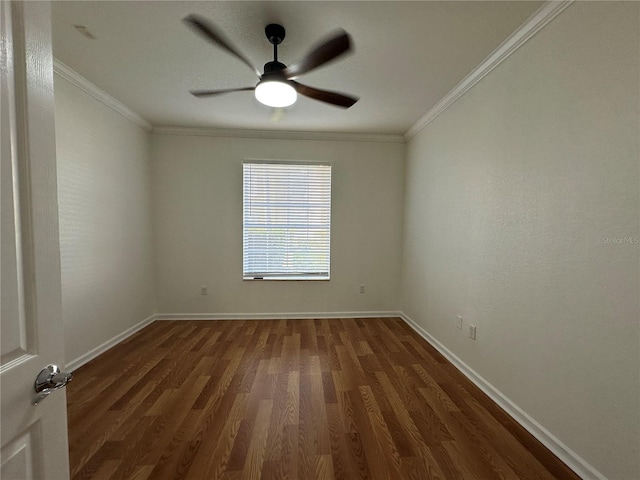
(286, 220)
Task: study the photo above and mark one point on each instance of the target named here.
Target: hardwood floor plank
(355, 438)
(343, 464)
(258, 444)
(340, 399)
(324, 468)
(212, 458)
(107, 469)
(168, 465)
(281, 414)
(108, 451)
(143, 472)
(382, 433)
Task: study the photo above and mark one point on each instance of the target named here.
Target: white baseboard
(90, 355)
(272, 316)
(559, 449)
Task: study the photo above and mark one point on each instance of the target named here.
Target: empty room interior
(423, 263)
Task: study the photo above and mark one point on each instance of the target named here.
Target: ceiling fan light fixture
(276, 93)
(275, 88)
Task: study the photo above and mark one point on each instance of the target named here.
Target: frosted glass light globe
(276, 94)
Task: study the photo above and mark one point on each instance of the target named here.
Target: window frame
(319, 277)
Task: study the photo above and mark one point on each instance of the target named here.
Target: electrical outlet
(459, 322)
(472, 332)
(204, 290)
(362, 289)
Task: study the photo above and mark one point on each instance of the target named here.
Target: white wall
(105, 220)
(198, 206)
(510, 194)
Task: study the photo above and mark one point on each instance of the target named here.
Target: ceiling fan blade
(320, 55)
(334, 98)
(206, 29)
(211, 93)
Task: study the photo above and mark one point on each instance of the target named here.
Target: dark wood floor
(287, 399)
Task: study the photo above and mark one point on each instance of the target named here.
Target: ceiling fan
(276, 86)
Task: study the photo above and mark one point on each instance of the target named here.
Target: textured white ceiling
(408, 55)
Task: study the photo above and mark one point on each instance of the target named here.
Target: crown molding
(103, 97)
(533, 25)
(280, 134)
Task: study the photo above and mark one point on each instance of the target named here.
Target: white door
(34, 438)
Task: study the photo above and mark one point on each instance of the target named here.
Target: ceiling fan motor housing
(273, 67)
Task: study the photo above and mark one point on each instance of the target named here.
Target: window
(286, 220)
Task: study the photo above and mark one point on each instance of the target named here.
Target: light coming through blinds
(286, 221)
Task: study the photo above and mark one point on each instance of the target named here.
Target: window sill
(288, 279)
